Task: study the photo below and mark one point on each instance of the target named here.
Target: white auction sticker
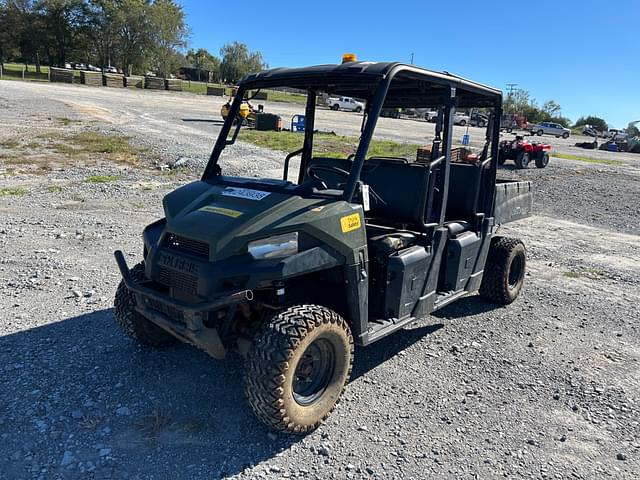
(247, 193)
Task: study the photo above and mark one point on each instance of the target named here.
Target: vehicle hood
(227, 217)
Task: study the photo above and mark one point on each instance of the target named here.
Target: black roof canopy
(411, 86)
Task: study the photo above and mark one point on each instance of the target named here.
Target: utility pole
(411, 58)
(511, 87)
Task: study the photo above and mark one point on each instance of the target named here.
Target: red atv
(522, 152)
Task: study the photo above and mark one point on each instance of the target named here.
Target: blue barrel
(612, 147)
(466, 138)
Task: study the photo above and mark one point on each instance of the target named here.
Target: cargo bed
(513, 201)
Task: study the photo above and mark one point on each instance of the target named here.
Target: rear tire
(298, 367)
(335, 107)
(504, 271)
(462, 123)
(522, 160)
(131, 322)
(542, 160)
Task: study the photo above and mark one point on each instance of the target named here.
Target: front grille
(187, 245)
(168, 310)
(178, 280)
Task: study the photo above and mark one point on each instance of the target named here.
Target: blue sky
(583, 54)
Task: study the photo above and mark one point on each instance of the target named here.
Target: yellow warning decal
(227, 212)
(350, 222)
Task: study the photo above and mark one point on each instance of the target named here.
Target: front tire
(542, 160)
(504, 271)
(522, 160)
(539, 132)
(462, 123)
(335, 107)
(565, 135)
(131, 322)
(358, 109)
(298, 368)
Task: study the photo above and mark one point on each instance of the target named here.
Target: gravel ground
(544, 388)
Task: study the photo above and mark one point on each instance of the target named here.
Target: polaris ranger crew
(293, 272)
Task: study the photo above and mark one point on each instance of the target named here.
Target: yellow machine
(245, 109)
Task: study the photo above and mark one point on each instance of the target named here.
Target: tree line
(521, 102)
(134, 35)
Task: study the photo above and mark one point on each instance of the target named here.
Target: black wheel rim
(313, 372)
(515, 271)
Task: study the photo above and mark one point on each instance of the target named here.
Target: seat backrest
(402, 188)
(464, 187)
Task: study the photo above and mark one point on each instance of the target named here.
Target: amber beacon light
(349, 57)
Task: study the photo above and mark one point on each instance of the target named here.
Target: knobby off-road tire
(504, 271)
(542, 160)
(131, 322)
(522, 160)
(298, 367)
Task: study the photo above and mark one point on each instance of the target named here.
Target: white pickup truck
(345, 103)
(549, 128)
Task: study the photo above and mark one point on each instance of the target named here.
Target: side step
(445, 298)
(382, 328)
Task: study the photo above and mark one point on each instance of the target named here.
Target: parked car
(590, 131)
(110, 69)
(431, 116)
(79, 66)
(93, 68)
(67, 65)
(345, 103)
(617, 135)
(461, 119)
(548, 128)
(478, 120)
(390, 112)
(458, 119)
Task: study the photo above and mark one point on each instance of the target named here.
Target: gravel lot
(545, 388)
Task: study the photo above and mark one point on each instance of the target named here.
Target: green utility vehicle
(293, 274)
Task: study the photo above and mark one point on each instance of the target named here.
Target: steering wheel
(312, 169)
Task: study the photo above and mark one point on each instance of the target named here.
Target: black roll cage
(374, 82)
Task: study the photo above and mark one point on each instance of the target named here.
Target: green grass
(327, 145)
(102, 178)
(586, 272)
(54, 188)
(14, 191)
(67, 121)
(89, 143)
(9, 144)
(604, 161)
(199, 88)
(13, 71)
(277, 96)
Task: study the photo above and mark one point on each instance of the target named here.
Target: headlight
(274, 247)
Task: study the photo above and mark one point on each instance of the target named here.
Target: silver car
(549, 128)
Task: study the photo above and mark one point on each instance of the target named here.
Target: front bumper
(183, 320)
